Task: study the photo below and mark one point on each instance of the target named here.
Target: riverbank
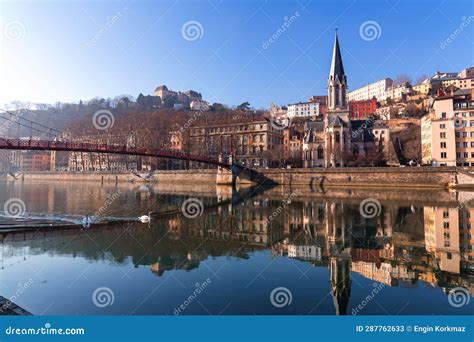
(409, 177)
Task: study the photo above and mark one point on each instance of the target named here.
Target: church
(336, 141)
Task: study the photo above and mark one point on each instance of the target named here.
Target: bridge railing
(103, 148)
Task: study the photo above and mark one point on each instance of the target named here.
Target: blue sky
(71, 50)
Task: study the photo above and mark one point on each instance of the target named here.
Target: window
(443, 115)
(442, 135)
(442, 126)
(464, 144)
(320, 152)
(443, 145)
(443, 155)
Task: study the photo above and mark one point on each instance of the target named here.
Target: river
(80, 249)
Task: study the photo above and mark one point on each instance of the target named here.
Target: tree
(421, 78)
(244, 106)
(402, 78)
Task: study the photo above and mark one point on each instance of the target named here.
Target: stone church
(336, 139)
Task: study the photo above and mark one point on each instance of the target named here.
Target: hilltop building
(177, 97)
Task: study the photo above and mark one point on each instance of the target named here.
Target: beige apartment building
(447, 132)
(254, 142)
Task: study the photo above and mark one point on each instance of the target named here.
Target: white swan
(145, 218)
(86, 221)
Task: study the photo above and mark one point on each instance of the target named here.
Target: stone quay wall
(409, 177)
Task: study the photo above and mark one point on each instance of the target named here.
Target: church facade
(336, 140)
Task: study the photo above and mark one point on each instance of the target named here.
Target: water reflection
(415, 243)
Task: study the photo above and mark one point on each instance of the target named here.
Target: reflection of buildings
(401, 246)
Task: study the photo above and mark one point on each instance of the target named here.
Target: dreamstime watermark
(21, 288)
(370, 208)
(458, 297)
(46, 330)
(103, 119)
(108, 202)
(200, 287)
(364, 127)
(5, 127)
(14, 207)
(280, 122)
(284, 203)
(193, 118)
(465, 21)
(107, 26)
(370, 30)
(281, 297)
(368, 299)
(192, 208)
(14, 30)
(103, 296)
(192, 30)
(287, 21)
(459, 123)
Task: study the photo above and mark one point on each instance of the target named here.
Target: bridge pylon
(225, 176)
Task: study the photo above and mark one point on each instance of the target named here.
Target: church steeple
(337, 68)
(337, 82)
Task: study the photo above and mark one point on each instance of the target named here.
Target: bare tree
(402, 78)
(421, 78)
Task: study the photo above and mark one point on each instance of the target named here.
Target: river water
(208, 251)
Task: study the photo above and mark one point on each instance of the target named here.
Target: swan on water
(145, 218)
(86, 221)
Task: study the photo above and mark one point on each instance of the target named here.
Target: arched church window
(338, 137)
(336, 95)
(320, 152)
(330, 97)
(343, 96)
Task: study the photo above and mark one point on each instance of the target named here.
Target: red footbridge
(46, 145)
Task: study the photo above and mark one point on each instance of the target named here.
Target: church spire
(337, 68)
(337, 81)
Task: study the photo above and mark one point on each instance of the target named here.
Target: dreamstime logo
(22, 287)
(284, 203)
(281, 297)
(368, 298)
(459, 123)
(192, 208)
(14, 207)
(287, 21)
(192, 30)
(103, 119)
(459, 296)
(365, 126)
(14, 30)
(370, 208)
(281, 122)
(465, 22)
(199, 288)
(370, 30)
(108, 202)
(102, 297)
(110, 22)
